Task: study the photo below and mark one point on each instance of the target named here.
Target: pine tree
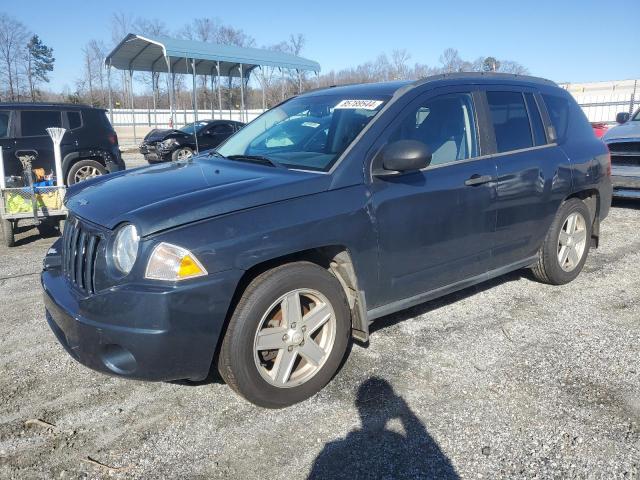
(39, 63)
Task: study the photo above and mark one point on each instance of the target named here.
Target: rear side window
(35, 122)
(75, 120)
(221, 129)
(510, 121)
(4, 124)
(558, 108)
(537, 126)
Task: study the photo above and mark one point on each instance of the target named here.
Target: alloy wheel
(294, 338)
(85, 173)
(572, 241)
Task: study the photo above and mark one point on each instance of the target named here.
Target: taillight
(113, 139)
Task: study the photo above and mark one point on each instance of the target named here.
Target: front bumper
(154, 153)
(626, 181)
(146, 332)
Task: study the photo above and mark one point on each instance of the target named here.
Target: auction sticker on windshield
(361, 104)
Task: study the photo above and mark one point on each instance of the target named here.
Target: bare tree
(399, 59)
(451, 61)
(13, 41)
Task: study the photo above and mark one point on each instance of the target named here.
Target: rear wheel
(7, 231)
(287, 335)
(84, 170)
(566, 245)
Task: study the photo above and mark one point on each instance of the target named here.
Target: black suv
(89, 147)
(333, 209)
(167, 145)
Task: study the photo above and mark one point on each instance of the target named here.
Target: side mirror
(622, 117)
(402, 156)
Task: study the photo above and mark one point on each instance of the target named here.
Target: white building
(601, 101)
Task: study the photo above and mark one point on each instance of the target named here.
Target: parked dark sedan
(264, 257)
(170, 144)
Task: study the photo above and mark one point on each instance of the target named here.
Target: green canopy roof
(144, 53)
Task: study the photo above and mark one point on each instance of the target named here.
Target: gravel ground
(508, 379)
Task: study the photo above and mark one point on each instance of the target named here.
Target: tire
(83, 170)
(8, 234)
(181, 154)
(549, 268)
(252, 372)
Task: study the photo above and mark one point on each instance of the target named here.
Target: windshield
(308, 133)
(188, 128)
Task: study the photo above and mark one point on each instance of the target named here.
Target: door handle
(476, 179)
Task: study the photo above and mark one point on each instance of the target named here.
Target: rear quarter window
(4, 124)
(567, 118)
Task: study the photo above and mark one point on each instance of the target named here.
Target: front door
(436, 225)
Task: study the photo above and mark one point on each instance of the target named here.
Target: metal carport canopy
(150, 54)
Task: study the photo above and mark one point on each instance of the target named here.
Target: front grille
(79, 247)
(632, 148)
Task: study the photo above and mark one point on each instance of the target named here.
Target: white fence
(161, 118)
(601, 101)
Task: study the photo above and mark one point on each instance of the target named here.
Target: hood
(626, 131)
(157, 135)
(167, 195)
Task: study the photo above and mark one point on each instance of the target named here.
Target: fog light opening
(118, 359)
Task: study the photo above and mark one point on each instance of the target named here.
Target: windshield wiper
(256, 159)
(215, 153)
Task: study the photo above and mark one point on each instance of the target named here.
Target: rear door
(7, 142)
(32, 135)
(435, 225)
(534, 174)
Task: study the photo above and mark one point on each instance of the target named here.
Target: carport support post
(195, 102)
(110, 93)
(194, 99)
(213, 114)
(282, 82)
(264, 103)
(171, 100)
(133, 107)
(219, 88)
(241, 93)
(153, 94)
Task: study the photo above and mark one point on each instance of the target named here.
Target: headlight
(168, 142)
(170, 262)
(125, 248)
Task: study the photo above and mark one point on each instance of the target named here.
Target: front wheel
(183, 153)
(287, 336)
(566, 245)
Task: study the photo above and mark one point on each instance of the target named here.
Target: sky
(563, 40)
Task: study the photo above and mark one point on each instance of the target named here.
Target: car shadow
(34, 234)
(378, 449)
(421, 309)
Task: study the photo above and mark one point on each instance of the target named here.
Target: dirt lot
(509, 379)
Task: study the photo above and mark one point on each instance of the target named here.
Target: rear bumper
(140, 331)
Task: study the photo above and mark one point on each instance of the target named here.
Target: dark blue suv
(333, 209)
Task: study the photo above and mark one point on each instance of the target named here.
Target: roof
(145, 53)
(38, 105)
(390, 88)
